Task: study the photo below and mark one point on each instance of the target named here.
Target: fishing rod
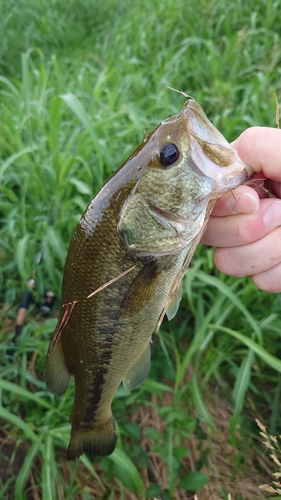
(27, 300)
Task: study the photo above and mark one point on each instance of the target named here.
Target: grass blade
(85, 460)
(24, 393)
(11, 159)
(23, 474)
(18, 422)
(75, 105)
(120, 458)
(270, 360)
(198, 400)
(226, 291)
(242, 382)
(48, 468)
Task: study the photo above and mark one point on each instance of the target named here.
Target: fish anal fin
(98, 441)
(138, 372)
(141, 290)
(174, 305)
(56, 374)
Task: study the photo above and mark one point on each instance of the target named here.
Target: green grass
(79, 84)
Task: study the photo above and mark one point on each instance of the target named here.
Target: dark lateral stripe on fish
(93, 402)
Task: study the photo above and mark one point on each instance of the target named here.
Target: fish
(125, 265)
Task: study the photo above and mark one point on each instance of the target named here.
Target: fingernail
(245, 203)
(272, 215)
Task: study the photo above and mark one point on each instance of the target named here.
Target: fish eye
(169, 155)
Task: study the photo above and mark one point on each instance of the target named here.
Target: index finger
(260, 147)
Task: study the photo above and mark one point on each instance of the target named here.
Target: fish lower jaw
(230, 182)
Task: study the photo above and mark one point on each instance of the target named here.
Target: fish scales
(147, 219)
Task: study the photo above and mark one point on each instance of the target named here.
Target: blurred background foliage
(80, 82)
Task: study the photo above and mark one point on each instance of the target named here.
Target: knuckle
(275, 246)
(226, 263)
(244, 233)
(268, 281)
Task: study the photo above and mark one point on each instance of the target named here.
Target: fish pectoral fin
(98, 441)
(56, 374)
(173, 307)
(138, 372)
(141, 290)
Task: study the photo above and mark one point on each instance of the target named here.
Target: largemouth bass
(125, 264)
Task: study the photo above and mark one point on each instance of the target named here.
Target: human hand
(244, 226)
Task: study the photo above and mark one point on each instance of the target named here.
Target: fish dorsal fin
(138, 372)
(174, 305)
(56, 374)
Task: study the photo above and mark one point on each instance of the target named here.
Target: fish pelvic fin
(56, 374)
(138, 372)
(98, 441)
(174, 305)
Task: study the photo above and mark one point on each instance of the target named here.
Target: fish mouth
(231, 177)
(220, 163)
(212, 153)
(200, 126)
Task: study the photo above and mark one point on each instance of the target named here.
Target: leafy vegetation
(80, 82)
(271, 442)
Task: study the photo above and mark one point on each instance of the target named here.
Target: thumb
(242, 200)
(260, 147)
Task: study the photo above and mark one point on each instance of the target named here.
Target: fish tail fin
(98, 441)
(55, 373)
